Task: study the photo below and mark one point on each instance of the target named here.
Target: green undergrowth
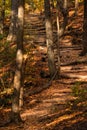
(79, 92)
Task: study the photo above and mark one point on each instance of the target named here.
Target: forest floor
(62, 105)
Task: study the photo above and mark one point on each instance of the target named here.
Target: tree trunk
(76, 6)
(85, 27)
(84, 51)
(64, 10)
(58, 44)
(49, 38)
(2, 18)
(18, 77)
(12, 30)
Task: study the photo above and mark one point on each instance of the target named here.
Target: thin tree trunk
(65, 14)
(76, 6)
(63, 6)
(12, 29)
(2, 18)
(18, 77)
(58, 44)
(49, 38)
(85, 30)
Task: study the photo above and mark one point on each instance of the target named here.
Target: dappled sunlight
(66, 68)
(60, 105)
(74, 69)
(38, 113)
(63, 118)
(79, 73)
(78, 77)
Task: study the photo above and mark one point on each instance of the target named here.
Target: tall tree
(76, 6)
(84, 51)
(49, 38)
(58, 44)
(18, 77)
(63, 7)
(2, 17)
(12, 29)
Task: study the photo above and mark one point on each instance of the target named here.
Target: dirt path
(49, 110)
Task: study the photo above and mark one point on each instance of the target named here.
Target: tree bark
(84, 51)
(13, 26)
(76, 6)
(58, 44)
(49, 38)
(64, 10)
(18, 77)
(85, 27)
(2, 18)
